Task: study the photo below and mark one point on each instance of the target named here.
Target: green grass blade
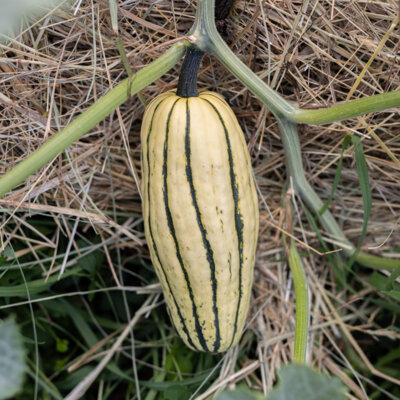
(337, 177)
(34, 287)
(80, 323)
(362, 172)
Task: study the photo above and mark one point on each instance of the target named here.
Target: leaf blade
(12, 359)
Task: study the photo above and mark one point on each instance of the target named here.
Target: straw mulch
(314, 51)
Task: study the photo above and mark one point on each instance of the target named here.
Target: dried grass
(315, 51)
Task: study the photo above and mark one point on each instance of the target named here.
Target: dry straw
(315, 53)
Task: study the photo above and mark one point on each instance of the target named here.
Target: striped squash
(200, 214)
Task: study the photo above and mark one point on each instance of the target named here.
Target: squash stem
(187, 85)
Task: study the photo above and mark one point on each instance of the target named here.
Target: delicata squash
(200, 214)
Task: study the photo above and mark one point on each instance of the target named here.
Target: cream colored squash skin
(201, 215)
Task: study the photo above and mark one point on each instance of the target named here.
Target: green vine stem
(206, 37)
(350, 109)
(302, 305)
(295, 170)
(299, 280)
(91, 117)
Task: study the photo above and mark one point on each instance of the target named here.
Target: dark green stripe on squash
(153, 243)
(206, 243)
(238, 215)
(171, 227)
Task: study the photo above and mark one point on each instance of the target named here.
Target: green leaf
(388, 305)
(34, 287)
(392, 280)
(90, 262)
(12, 359)
(61, 345)
(391, 356)
(393, 328)
(392, 293)
(175, 392)
(73, 378)
(80, 323)
(240, 394)
(302, 382)
(378, 281)
(8, 252)
(386, 285)
(179, 359)
(162, 386)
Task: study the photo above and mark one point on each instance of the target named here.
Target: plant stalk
(91, 117)
(208, 39)
(294, 165)
(302, 305)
